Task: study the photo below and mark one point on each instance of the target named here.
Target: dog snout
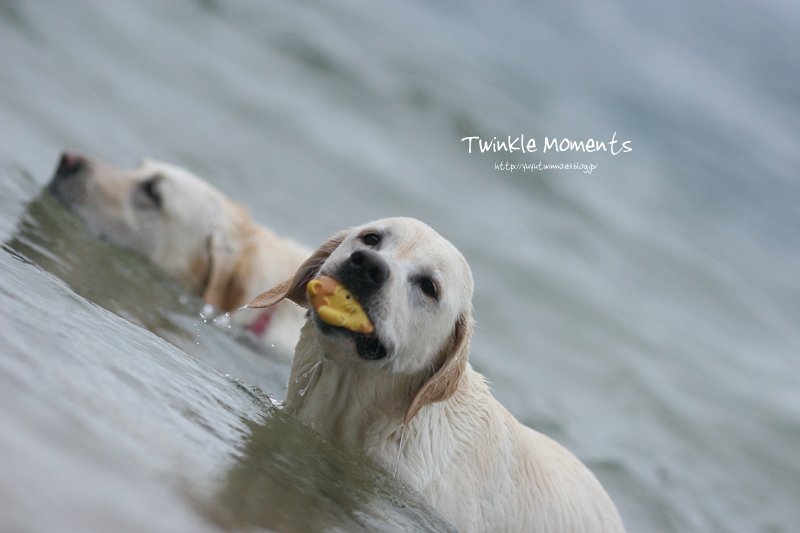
(364, 272)
(70, 164)
(371, 266)
(69, 182)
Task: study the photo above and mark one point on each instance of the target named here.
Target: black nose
(371, 266)
(70, 164)
(363, 273)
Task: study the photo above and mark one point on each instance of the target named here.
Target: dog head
(416, 289)
(177, 220)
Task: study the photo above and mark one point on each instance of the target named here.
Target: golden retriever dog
(192, 231)
(396, 386)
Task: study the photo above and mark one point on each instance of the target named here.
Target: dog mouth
(370, 349)
(368, 345)
(337, 311)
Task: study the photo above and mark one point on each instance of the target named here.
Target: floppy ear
(443, 384)
(225, 288)
(295, 289)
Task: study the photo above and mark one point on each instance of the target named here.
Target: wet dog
(192, 231)
(397, 387)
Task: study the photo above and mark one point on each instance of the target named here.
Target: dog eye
(429, 287)
(152, 195)
(371, 239)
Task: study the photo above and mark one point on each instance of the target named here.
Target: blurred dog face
(190, 230)
(159, 210)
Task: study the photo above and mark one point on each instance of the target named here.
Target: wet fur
(423, 410)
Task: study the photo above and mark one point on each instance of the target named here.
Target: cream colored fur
(422, 410)
(193, 232)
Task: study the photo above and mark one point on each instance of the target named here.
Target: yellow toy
(337, 306)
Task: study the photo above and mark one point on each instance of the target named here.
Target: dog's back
(484, 471)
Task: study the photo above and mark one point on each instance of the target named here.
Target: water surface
(646, 315)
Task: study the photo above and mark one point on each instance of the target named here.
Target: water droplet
(399, 451)
(207, 312)
(307, 375)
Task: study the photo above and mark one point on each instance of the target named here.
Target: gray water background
(645, 315)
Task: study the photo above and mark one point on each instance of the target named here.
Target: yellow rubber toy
(337, 306)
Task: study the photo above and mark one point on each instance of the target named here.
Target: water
(645, 315)
(107, 427)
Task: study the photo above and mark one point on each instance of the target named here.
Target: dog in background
(396, 386)
(190, 230)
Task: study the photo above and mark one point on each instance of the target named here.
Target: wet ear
(225, 288)
(444, 383)
(295, 289)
